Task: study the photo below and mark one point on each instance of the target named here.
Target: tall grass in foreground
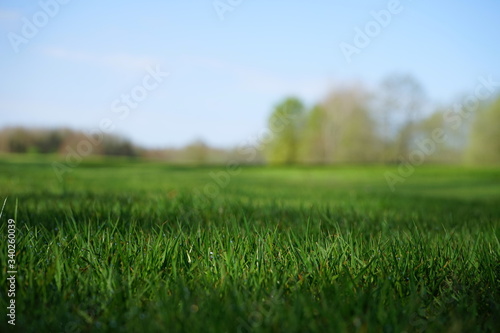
(133, 261)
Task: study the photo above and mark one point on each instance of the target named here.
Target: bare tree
(402, 99)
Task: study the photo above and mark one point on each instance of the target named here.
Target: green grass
(128, 246)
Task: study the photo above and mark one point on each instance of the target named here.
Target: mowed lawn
(131, 246)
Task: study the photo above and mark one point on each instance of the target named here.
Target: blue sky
(226, 75)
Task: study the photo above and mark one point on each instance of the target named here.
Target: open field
(128, 246)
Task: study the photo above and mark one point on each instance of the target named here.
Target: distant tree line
(389, 125)
(61, 141)
(393, 123)
(51, 141)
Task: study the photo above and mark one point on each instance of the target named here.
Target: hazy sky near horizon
(76, 61)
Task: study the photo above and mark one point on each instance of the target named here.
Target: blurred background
(282, 82)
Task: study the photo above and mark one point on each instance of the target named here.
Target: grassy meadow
(132, 246)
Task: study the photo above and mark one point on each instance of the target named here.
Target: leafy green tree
(433, 137)
(285, 126)
(484, 139)
(197, 152)
(118, 146)
(349, 130)
(314, 145)
(19, 140)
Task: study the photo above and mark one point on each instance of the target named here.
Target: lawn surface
(133, 246)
